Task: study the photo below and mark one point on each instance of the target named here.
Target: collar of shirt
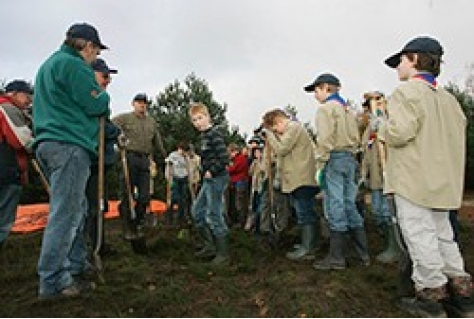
(427, 78)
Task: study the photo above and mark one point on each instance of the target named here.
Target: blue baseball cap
(99, 65)
(323, 78)
(19, 86)
(417, 45)
(87, 32)
(141, 97)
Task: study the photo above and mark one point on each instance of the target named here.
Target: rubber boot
(208, 250)
(305, 250)
(360, 241)
(392, 251)
(335, 259)
(222, 255)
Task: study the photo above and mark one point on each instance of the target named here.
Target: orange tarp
(30, 218)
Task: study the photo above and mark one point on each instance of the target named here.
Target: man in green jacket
(68, 103)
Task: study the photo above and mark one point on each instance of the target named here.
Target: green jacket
(68, 101)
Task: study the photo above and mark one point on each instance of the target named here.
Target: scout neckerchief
(336, 97)
(427, 78)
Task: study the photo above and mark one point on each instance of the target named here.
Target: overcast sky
(255, 55)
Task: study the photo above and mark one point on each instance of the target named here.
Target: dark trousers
(139, 172)
(180, 195)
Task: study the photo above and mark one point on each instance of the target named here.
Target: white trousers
(429, 237)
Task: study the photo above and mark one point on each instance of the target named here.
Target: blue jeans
(380, 208)
(9, 198)
(63, 250)
(341, 192)
(208, 208)
(303, 200)
(179, 195)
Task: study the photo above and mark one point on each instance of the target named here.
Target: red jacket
(239, 170)
(14, 134)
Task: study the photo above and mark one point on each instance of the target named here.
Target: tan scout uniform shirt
(296, 157)
(426, 140)
(142, 133)
(337, 130)
(371, 164)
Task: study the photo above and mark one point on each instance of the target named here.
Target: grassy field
(170, 282)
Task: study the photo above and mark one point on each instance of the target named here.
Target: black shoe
(108, 251)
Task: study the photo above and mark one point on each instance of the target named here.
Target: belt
(138, 154)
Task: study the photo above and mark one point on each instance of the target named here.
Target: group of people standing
(413, 147)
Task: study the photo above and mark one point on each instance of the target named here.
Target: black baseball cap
(87, 32)
(417, 45)
(19, 86)
(323, 78)
(142, 97)
(99, 65)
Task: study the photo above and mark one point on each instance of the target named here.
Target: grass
(170, 282)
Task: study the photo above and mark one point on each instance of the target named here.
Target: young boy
(337, 142)
(292, 144)
(180, 185)
(426, 147)
(372, 175)
(208, 208)
(239, 177)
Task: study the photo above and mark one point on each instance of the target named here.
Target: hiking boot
(222, 255)
(208, 249)
(305, 250)
(460, 302)
(335, 259)
(427, 303)
(391, 251)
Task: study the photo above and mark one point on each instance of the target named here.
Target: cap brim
(112, 71)
(103, 46)
(394, 60)
(310, 88)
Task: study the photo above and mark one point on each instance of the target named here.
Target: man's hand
(122, 141)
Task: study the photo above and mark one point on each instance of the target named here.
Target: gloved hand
(375, 122)
(362, 182)
(276, 184)
(122, 140)
(321, 177)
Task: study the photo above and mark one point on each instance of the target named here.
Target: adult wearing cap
(337, 142)
(67, 105)
(111, 132)
(426, 152)
(15, 139)
(140, 138)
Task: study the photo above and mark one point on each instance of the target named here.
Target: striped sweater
(214, 155)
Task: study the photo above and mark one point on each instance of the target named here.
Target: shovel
(100, 201)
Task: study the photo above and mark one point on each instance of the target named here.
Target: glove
(276, 184)
(122, 141)
(321, 177)
(362, 182)
(375, 122)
